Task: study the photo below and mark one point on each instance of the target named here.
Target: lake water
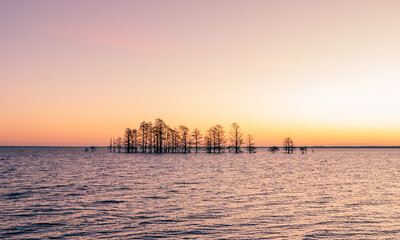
(329, 194)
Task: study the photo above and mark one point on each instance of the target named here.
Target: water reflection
(62, 192)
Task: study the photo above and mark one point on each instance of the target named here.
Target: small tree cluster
(273, 149)
(158, 137)
(288, 145)
(116, 144)
(215, 139)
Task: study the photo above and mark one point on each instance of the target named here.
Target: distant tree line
(158, 137)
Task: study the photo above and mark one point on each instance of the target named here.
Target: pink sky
(79, 72)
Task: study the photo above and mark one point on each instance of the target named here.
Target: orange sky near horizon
(322, 72)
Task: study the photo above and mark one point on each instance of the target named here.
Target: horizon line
(334, 146)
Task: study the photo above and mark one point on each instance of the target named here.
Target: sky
(75, 73)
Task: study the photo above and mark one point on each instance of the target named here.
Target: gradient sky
(79, 72)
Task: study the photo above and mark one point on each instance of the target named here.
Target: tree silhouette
(219, 137)
(236, 137)
(161, 138)
(213, 139)
(190, 144)
(135, 140)
(150, 137)
(143, 132)
(159, 132)
(184, 133)
(303, 150)
(119, 144)
(208, 141)
(288, 145)
(168, 139)
(196, 136)
(127, 140)
(273, 149)
(175, 140)
(250, 144)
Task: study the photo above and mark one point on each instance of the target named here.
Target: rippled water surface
(69, 193)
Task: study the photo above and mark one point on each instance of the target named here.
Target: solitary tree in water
(196, 136)
(288, 144)
(250, 144)
(236, 137)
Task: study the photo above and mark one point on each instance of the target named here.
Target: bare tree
(150, 137)
(159, 134)
(208, 141)
(135, 140)
(128, 139)
(168, 139)
(213, 139)
(250, 144)
(288, 145)
(119, 144)
(160, 138)
(143, 136)
(175, 140)
(184, 132)
(196, 136)
(236, 137)
(219, 137)
(190, 143)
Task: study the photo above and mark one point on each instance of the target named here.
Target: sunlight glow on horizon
(324, 73)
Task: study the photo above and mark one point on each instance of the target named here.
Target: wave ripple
(68, 193)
